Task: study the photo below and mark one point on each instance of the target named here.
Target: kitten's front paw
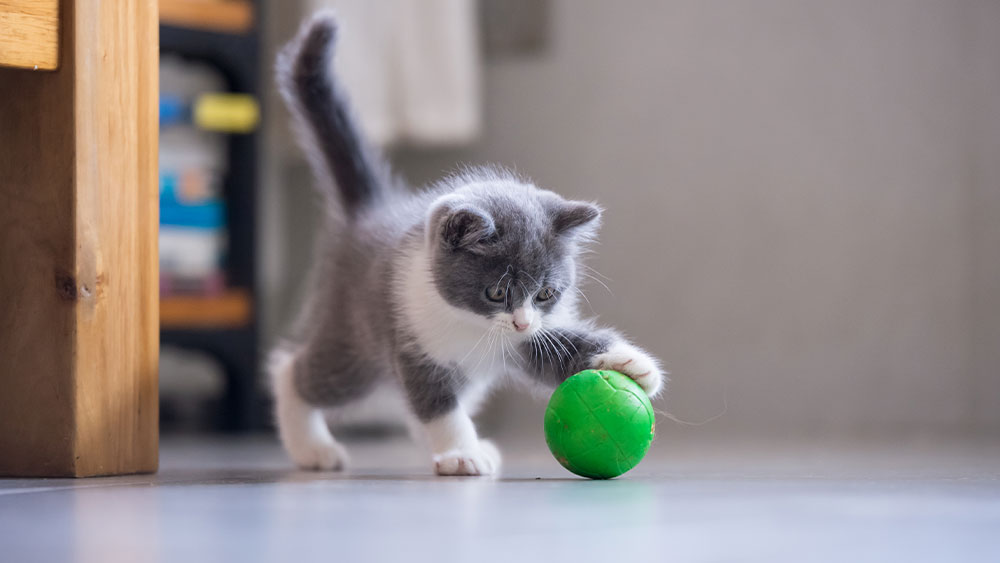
(633, 362)
(317, 455)
(484, 459)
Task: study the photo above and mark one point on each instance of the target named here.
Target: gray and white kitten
(441, 292)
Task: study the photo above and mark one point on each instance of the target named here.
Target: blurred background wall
(803, 200)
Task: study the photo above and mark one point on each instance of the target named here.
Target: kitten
(442, 292)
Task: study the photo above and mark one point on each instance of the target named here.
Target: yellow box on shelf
(226, 113)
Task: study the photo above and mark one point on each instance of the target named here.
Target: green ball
(599, 424)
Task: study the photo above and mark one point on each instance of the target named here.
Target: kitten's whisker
(535, 350)
(585, 298)
(489, 346)
(513, 351)
(493, 344)
(505, 273)
(524, 287)
(545, 346)
(604, 285)
(566, 339)
(543, 353)
(532, 279)
(551, 345)
(476, 345)
(503, 350)
(594, 270)
(554, 353)
(558, 340)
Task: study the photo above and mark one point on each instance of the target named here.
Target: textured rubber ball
(599, 424)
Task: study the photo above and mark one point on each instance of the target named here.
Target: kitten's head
(507, 251)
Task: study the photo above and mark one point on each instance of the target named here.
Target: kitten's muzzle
(522, 318)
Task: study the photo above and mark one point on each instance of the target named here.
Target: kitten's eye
(496, 293)
(545, 294)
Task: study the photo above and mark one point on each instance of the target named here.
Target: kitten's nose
(522, 318)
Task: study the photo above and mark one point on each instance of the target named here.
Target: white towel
(411, 68)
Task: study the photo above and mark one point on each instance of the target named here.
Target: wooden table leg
(79, 282)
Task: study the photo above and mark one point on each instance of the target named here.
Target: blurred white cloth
(410, 67)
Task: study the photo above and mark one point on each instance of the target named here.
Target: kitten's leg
(456, 447)
(432, 391)
(554, 354)
(302, 427)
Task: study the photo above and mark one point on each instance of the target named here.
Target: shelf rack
(224, 34)
(225, 16)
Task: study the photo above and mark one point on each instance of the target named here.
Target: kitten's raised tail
(327, 132)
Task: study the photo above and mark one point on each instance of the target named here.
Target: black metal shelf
(236, 351)
(236, 56)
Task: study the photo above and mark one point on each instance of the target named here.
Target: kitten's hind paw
(484, 459)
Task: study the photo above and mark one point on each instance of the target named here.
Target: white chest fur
(447, 334)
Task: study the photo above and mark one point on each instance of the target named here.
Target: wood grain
(29, 34)
(78, 263)
(229, 16)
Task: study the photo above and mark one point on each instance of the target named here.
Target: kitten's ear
(459, 225)
(576, 216)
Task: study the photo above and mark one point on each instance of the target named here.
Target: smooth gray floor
(225, 500)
